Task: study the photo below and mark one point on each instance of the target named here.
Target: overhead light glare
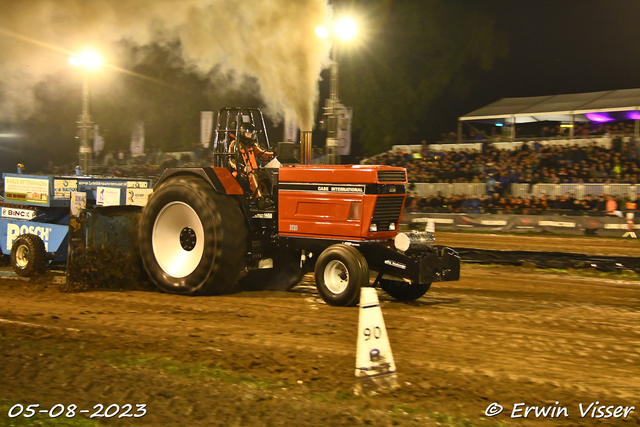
(346, 29)
(86, 59)
(322, 32)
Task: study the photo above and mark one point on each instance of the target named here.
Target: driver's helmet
(247, 134)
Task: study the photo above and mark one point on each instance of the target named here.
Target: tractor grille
(387, 210)
(391, 176)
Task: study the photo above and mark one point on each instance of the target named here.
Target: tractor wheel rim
(22, 256)
(177, 258)
(336, 277)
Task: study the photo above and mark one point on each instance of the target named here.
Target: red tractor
(258, 219)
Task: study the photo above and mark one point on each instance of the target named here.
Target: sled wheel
(403, 291)
(28, 256)
(192, 239)
(341, 270)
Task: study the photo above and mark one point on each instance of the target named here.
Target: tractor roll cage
(228, 122)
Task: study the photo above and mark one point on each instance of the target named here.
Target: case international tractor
(258, 219)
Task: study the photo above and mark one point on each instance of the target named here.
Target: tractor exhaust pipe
(305, 147)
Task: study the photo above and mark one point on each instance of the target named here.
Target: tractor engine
(340, 202)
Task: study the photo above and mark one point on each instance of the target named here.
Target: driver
(250, 153)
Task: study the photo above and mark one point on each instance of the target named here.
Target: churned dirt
(501, 334)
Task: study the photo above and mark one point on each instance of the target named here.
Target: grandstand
(599, 107)
(582, 146)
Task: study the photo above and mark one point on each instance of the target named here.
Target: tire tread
(359, 271)
(228, 228)
(38, 254)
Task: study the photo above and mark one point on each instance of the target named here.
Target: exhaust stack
(305, 147)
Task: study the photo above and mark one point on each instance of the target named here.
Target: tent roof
(557, 107)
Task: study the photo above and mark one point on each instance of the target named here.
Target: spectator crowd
(150, 165)
(533, 163)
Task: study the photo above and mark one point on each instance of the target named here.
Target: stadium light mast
(344, 30)
(87, 61)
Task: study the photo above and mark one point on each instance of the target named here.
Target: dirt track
(501, 334)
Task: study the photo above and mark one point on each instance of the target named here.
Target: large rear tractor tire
(402, 291)
(341, 270)
(192, 240)
(28, 256)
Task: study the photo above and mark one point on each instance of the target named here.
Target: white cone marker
(631, 226)
(374, 360)
(431, 226)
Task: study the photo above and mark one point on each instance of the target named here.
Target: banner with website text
(558, 224)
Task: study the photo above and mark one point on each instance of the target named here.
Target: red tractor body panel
(340, 201)
(341, 174)
(227, 180)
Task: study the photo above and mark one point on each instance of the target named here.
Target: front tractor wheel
(404, 291)
(341, 270)
(192, 239)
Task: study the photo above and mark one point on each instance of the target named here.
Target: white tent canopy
(570, 107)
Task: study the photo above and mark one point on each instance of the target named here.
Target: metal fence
(448, 190)
(581, 190)
(523, 190)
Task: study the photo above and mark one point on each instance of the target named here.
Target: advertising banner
(138, 196)
(91, 184)
(206, 128)
(52, 235)
(78, 203)
(344, 130)
(557, 224)
(137, 139)
(98, 142)
(14, 213)
(27, 190)
(62, 188)
(108, 196)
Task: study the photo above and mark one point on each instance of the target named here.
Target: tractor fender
(220, 179)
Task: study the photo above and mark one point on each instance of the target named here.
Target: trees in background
(411, 53)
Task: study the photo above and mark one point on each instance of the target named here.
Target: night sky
(554, 47)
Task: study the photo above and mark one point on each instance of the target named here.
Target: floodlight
(346, 29)
(90, 59)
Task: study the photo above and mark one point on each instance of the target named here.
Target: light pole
(345, 29)
(87, 60)
(331, 110)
